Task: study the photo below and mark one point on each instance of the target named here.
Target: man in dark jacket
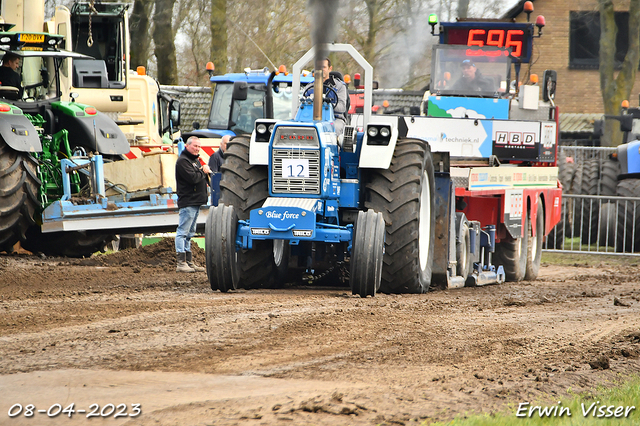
(191, 179)
(216, 160)
(9, 76)
(472, 79)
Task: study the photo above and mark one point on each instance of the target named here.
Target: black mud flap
(96, 133)
(18, 132)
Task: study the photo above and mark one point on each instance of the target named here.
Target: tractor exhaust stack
(317, 90)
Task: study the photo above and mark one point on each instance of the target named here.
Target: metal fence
(595, 219)
(598, 225)
(579, 154)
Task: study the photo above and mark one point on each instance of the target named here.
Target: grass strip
(618, 405)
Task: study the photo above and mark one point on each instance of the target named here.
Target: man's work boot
(192, 264)
(182, 265)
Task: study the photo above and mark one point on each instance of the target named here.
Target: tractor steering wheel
(330, 95)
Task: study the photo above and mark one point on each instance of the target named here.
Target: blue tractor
(620, 175)
(292, 190)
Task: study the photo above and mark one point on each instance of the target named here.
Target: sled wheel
(511, 253)
(534, 245)
(463, 250)
(281, 254)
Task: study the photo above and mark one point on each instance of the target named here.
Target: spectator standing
(216, 160)
(191, 179)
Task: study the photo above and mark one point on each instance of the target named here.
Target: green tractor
(47, 148)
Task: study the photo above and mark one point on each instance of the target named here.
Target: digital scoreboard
(517, 36)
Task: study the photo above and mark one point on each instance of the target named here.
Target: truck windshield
(246, 112)
(464, 71)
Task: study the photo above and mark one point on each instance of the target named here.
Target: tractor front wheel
(220, 248)
(367, 253)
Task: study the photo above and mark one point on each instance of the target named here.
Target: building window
(584, 39)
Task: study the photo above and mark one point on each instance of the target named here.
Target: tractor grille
(307, 185)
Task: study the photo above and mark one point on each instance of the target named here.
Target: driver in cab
(472, 79)
(334, 82)
(9, 76)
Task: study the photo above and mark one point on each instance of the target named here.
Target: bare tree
(139, 32)
(163, 37)
(617, 88)
(193, 41)
(463, 8)
(218, 25)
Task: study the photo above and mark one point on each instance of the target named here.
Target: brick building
(569, 45)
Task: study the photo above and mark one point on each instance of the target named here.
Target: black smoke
(323, 17)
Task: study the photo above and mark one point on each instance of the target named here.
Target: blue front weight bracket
(288, 223)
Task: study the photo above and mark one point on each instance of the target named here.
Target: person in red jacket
(191, 179)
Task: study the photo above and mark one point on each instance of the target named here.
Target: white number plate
(295, 168)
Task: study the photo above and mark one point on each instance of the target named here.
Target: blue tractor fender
(629, 157)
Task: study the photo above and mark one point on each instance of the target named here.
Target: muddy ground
(126, 329)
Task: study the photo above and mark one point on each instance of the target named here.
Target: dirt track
(125, 328)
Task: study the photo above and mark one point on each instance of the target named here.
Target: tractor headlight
(263, 130)
(379, 134)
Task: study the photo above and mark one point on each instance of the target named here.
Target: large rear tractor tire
(534, 244)
(404, 194)
(575, 208)
(608, 222)
(555, 239)
(609, 177)
(367, 254)
(608, 216)
(590, 207)
(511, 253)
(220, 248)
(68, 244)
(245, 187)
(19, 201)
(628, 229)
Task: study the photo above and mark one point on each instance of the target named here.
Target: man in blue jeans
(191, 179)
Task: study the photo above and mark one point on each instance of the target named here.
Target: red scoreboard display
(517, 36)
